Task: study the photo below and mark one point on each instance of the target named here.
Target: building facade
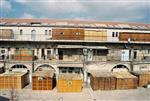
(74, 46)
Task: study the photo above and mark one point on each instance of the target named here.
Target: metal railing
(116, 58)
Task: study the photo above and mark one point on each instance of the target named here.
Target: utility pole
(84, 64)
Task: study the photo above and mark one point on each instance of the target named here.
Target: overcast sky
(101, 10)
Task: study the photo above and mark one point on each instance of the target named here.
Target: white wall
(40, 32)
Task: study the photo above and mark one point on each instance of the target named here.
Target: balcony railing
(108, 58)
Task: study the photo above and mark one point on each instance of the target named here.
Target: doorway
(43, 54)
(33, 35)
(60, 53)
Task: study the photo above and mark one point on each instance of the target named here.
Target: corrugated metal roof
(75, 23)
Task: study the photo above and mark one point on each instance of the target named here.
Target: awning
(81, 47)
(75, 65)
(96, 47)
(70, 46)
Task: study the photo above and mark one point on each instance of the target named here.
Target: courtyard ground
(87, 94)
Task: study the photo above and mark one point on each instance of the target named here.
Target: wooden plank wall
(143, 78)
(69, 85)
(103, 83)
(67, 34)
(142, 37)
(69, 82)
(126, 83)
(14, 82)
(47, 83)
(94, 35)
(6, 34)
(43, 80)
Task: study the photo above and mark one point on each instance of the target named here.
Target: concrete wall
(141, 67)
(142, 55)
(114, 55)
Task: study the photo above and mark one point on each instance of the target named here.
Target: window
(77, 33)
(2, 51)
(116, 34)
(113, 34)
(33, 34)
(21, 31)
(149, 51)
(135, 54)
(48, 52)
(62, 33)
(49, 32)
(46, 32)
(17, 49)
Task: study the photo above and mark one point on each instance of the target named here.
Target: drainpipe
(33, 62)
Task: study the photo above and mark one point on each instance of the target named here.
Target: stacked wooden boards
(125, 80)
(23, 54)
(143, 77)
(102, 81)
(14, 80)
(43, 80)
(113, 80)
(69, 83)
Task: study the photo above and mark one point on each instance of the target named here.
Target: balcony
(66, 38)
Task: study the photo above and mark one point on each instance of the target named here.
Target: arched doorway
(45, 67)
(33, 34)
(120, 67)
(19, 67)
(22, 68)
